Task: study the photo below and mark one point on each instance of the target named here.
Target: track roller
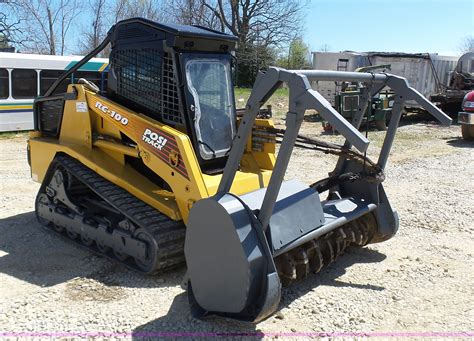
(76, 202)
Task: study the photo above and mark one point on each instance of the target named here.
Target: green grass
(13, 134)
(278, 101)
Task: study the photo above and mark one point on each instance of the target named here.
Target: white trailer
(427, 73)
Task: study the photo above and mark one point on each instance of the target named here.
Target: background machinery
(347, 101)
(158, 170)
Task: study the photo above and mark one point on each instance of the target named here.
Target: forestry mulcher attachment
(158, 169)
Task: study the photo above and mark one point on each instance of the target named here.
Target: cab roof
(185, 31)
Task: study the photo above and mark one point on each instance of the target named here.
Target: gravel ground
(419, 281)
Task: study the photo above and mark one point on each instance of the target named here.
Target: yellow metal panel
(43, 151)
(76, 124)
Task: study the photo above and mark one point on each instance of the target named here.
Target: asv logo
(115, 115)
(154, 139)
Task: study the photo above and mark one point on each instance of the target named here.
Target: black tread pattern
(168, 234)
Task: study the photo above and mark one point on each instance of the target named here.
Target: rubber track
(168, 234)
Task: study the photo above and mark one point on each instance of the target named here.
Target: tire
(381, 125)
(467, 131)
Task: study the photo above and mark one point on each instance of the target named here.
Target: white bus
(23, 77)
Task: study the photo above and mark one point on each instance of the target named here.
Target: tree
(467, 44)
(149, 9)
(46, 23)
(192, 12)
(274, 21)
(260, 26)
(5, 34)
(299, 56)
(96, 30)
(324, 48)
(9, 30)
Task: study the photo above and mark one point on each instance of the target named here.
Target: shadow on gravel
(459, 142)
(179, 322)
(41, 257)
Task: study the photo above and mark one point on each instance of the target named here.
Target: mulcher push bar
(303, 97)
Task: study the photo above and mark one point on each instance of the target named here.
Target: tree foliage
(261, 26)
(45, 23)
(299, 55)
(7, 32)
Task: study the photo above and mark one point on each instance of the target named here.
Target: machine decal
(81, 107)
(165, 147)
(154, 139)
(115, 115)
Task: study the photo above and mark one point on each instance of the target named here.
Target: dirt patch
(87, 289)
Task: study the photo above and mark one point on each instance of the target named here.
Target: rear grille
(131, 32)
(50, 114)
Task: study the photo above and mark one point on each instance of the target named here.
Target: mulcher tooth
(351, 236)
(340, 241)
(302, 263)
(315, 256)
(286, 266)
(327, 251)
(358, 233)
(369, 226)
(364, 229)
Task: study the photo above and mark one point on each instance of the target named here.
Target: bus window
(24, 83)
(3, 83)
(47, 78)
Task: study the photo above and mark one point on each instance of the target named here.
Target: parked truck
(466, 116)
(461, 82)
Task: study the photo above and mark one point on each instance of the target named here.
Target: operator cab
(181, 76)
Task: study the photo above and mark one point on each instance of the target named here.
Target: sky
(436, 26)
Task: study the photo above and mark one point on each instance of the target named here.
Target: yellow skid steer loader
(158, 170)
